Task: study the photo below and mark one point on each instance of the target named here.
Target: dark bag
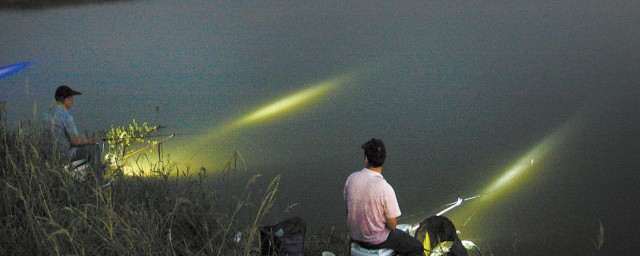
(440, 229)
(284, 238)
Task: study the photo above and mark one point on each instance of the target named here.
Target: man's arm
(79, 141)
(391, 223)
(72, 132)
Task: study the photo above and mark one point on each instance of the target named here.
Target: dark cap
(375, 152)
(64, 92)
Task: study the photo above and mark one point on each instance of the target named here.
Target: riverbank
(46, 211)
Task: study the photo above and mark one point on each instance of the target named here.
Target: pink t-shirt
(370, 200)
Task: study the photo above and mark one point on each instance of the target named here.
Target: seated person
(60, 127)
(372, 207)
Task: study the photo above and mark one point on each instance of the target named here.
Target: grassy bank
(45, 211)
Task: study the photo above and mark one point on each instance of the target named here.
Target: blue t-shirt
(61, 125)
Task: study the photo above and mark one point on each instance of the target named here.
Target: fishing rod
(150, 146)
(177, 134)
(162, 135)
(449, 206)
(456, 204)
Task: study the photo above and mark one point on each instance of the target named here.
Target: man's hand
(92, 140)
(77, 141)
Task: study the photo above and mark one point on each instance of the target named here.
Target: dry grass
(45, 211)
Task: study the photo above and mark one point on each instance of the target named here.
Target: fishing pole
(178, 134)
(456, 204)
(163, 135)
(449, 206)
(150, 146)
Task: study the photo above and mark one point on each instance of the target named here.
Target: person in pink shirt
(372, 207)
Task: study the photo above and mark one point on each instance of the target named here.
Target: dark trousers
(401, 242)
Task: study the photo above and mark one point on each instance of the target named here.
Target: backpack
(283, 238)
(439, 229)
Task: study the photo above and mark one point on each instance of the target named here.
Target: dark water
(586, 180)
(458, 91)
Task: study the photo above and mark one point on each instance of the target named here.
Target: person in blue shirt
(62, 129)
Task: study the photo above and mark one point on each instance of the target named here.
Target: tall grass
(45, 211)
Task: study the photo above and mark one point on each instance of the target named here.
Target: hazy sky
(458, 90)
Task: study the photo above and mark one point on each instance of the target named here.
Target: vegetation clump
(120, 138)
(46, 211)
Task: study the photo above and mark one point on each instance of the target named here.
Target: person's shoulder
(57, 108)
(357, 175)
(353, 174)
(387, 186)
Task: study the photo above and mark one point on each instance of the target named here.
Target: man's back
(370, 201)
(60, 125)
(372, 207)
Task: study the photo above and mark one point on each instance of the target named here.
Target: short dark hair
(375, 152)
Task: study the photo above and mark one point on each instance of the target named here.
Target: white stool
(357, 250)
(78, 169)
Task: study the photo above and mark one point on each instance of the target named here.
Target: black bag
(440, 229)
(284, 238)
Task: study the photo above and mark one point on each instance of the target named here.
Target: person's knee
(410, 245)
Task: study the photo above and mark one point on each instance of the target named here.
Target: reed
(598, 242)
(46, 211)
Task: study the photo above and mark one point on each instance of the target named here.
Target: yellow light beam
(211, 140)
(292, 101)
(513, 176)
(192, 155)
(281, 106)
(286, 103)
(525, 164)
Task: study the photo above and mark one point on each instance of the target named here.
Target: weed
(599, 241)
(45, 211)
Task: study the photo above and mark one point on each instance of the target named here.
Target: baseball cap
(64, 91)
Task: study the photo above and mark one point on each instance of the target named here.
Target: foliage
(120, 139)
(45, 211)
(599, 241)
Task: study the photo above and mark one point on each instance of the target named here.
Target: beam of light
(12, 69)
(278, 108)
(206, 149)
(290, 102)
(525, 164)
(287, 103)
(508, 182)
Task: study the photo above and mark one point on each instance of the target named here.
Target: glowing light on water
(198, 150)
(290, 102)
(286, 104)
(524, 165)
(512, 178)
